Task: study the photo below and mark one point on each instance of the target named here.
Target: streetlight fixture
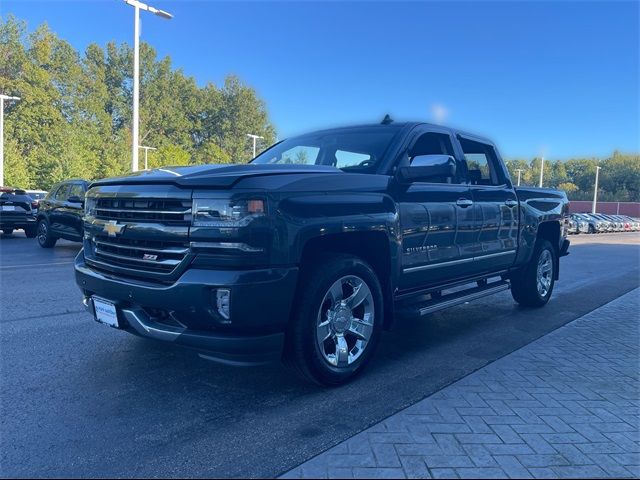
(519, 170)
(137, 6)
(2, 100)
(146, 151)
(255, 137)
(595, 191)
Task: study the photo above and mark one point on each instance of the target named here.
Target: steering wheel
(367, 162)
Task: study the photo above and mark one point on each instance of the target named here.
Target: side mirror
(75, 199)
(427, 167)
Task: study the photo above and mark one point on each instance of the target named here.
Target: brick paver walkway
(566, 405)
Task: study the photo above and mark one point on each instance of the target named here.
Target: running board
(453, 299)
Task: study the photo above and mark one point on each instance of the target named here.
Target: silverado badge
(112, 228)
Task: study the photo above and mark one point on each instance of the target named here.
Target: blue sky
(559, 78)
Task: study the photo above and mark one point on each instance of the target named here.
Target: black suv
(17, 210)
(60, 213)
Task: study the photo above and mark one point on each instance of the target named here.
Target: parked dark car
(60, 213)
(320, 243)
(17, 211)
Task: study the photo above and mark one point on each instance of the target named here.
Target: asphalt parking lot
(80, 399)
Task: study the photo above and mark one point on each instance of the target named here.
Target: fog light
(223, 302)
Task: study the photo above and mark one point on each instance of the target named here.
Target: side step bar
(456, 298)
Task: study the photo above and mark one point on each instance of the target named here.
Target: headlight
(90, 206)
(226, 213)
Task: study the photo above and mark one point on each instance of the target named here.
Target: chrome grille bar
(167, 262)
(132, 210)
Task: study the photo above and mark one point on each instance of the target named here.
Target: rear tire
(45, 238)
(533, 285)
(336, 321)
(31, 231)
(7, 231)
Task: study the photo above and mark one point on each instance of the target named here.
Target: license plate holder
(105, 312)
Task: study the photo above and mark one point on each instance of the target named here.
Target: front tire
(337, 320)
(7, 231)
(45, 238)
(533, 285)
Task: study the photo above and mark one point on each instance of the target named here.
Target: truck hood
(212, 176)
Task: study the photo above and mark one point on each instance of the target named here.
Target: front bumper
(184, 312)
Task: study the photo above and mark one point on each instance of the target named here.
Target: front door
(437, 221)
(56, 209)
(73, 211)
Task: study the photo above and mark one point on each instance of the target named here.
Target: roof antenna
(387, 120)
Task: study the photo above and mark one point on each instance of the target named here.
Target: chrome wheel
(545, 273)
(345, 321)
(42, 232)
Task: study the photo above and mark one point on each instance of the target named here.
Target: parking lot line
(35, 265)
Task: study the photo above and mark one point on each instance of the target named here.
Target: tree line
(74, 116)
(74, 119)
(619, 178)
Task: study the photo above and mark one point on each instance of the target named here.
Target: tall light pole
(519, 170)
(137, 6)
(541, 171)
(595, 192)
(255, 137)
(2, 99)
(146, 151)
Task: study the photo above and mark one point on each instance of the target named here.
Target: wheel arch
(374, 247)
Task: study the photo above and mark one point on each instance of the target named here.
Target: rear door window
(483, 166)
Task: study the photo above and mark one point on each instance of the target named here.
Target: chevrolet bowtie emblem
(112, 228)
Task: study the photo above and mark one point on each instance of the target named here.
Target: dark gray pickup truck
(316, 246)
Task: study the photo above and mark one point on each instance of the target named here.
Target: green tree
(74, 119)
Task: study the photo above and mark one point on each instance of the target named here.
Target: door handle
(464, 202)
(511, 203)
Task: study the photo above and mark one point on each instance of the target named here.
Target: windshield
(350, 149)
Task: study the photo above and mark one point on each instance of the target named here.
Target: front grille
(158, 210)
(141, 255)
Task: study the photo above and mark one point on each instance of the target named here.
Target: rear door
(495, 206)
(436, 219)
